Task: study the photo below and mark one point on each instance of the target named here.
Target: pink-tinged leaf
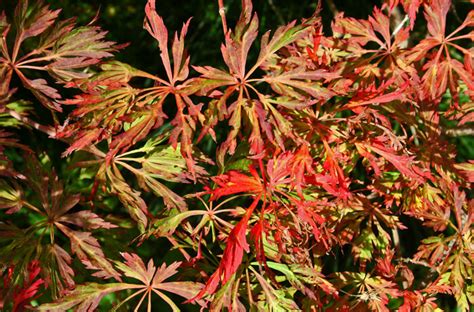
(133, 135)
(180, 59)
(5, 78)
(184, 289)
(307, 214)
(184, 127)
(304, 82)
(236, 47)
(86, 220)
(381, 24)
(129, 197)
(255, 138)
(89, 251)
(411, 7)
(135, 268)
(4, 28)
(460, 69)
(435, 15)
(156, 27)
(385, 266)
(85, 41)
(63, 262)
(432, 249)
(164, 272)
(377, 95)
(334, 181)
(167, 226)
(282, 37)
(272, 298)
(43, 92)
(86, 297)
(360, 30)
(235, 121)
(171, 199)
(84, 139)
(35, 20)
(42, 86)
(435, 79)
(211, 78)
(466, 170)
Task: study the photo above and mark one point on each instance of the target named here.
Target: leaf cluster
(320, 174)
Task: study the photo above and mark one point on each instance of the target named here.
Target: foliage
(317, 173)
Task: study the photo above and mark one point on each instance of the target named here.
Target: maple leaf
(184, 122)
(57, 267)
(232, 257)
(300, 276)
(55, 207)
(88, 250)
(403, 163)
(159, 162)
(372, 291)
(63, 50)
(321, 142)
(299, 165)
(152, 280)
(411, 7)
(129, 197)
(442, 70)
(10, 196)
(274, 300)
(241, 101)
(30, 288)
(375, 95)
(234, 182)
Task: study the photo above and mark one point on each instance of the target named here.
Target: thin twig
(400, 25)
(222, 14)
(50, 131)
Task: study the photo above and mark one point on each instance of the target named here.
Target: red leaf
(233, 254)
(234, 182)
(30, 288)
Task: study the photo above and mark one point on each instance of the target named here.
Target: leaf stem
(223, 17)
(45, 129)
(31, 67)
(32, 207)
